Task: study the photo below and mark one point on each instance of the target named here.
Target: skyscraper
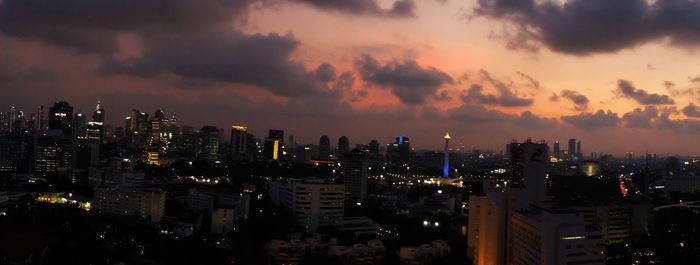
(209, 147)
(324, 148)
(95, 128)
(399, 153)
(79, 125)
(274, 145)
(41, 119)
(343, 146)
(557, 150)
(12, 117)
(446, 167)
(374, 157)
(355, 174)
(4, 122)
(579, 154)
(239, 139)
(529, 168)
(61, 117)
(572, 148)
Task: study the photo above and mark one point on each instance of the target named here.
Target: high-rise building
(239, 142)
(53, 153)
(355, 166)
(579, 154)
(324, 148)
(274, 145)
(12, 117)
(572, 148)
(13, 151)
(399, 153)
(529, 168)
(554, 237)
(61, 117)
(487, 231)
(41, 119)
(95, 128)
(132, 121)
(343, 146)
(314, 203)
(80, 125)
(4, 122)
(209, 143)
(374, 156)
(446, 166)
(557, 150)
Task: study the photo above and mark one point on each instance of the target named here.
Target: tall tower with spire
(446, 167)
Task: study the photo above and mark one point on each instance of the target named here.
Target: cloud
(584, 27)
(225, 55)
(626, 89)
(93, 25)
(532, 82)
(580, 101)
(410, 82)
(399, 9)
(476, 114)
(325, 73)
(599, 119)
(639, 118)
(505, 97)
(691, 110)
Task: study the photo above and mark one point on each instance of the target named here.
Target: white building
(487, 231)
(554, 237)
(120, 172)
(148, 204)
(314, 203)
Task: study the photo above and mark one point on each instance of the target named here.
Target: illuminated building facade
(239, 142)
(61, 117)
(274, 145)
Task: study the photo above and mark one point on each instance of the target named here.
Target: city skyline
(428, 67)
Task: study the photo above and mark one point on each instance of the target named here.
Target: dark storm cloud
(579, 100)
(583, 27)
(93, 25)
(626, 89)
(691, 110)
(410, 82)
(225, 55)
(476, 114)
(641, 118)
(599, 119)
(400, 8)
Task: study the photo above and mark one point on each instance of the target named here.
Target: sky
(621, 76)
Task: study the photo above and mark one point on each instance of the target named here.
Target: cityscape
(349, 132)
